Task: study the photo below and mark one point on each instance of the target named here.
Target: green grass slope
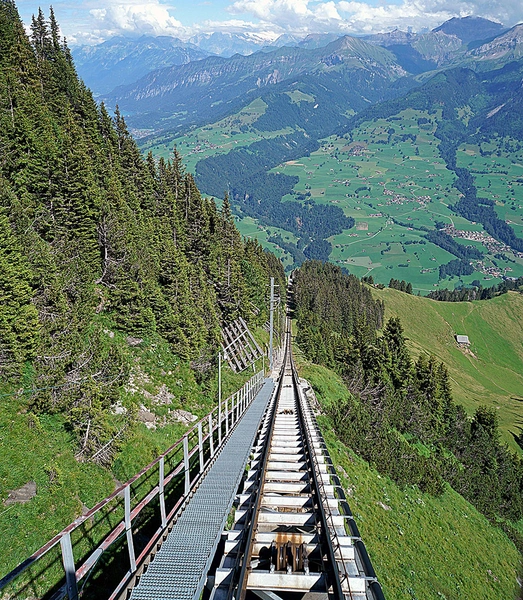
(41, 449)
(491, 371)
(421, 547)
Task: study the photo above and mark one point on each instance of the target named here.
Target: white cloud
(354, 16)
(263, 32)
(92, 21)
(276, 11)
(150, 18)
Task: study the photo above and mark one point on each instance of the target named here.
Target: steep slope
(94, 238)
(213, 87)
(491, 371)
(115, 278)
(438, 47)
(501, 50)
(395, 410)
(421, 546)
(121, 61)
(444, 45)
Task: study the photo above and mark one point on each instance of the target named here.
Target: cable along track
(293, 535)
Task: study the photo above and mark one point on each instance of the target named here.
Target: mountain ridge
(227, 44)
(224, 80)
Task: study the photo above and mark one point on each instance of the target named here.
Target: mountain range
(281, 102)
(196, 89)
(206, 90)
(123, 61)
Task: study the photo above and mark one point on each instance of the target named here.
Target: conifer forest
(92, 235)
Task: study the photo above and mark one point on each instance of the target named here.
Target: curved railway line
(293, 534)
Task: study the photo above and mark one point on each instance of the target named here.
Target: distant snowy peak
(227, 44)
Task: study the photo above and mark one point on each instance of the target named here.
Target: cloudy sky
(92, 21)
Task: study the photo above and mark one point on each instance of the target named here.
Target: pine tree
(398, 364)
(19, 324)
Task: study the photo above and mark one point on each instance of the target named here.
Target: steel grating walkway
(179, 568)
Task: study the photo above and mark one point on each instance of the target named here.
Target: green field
(420, 546)
(392, 185)
(498, 172)
(491, 371)
(221, 137)
(388, 175)
(251, 229)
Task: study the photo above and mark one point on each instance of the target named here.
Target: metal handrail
(234, 407)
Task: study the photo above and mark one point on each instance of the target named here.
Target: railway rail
(293, 535)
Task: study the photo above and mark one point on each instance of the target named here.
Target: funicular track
(294, 535)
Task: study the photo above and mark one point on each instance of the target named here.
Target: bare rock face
(183, 416)
(508, 46)
(147, 418)
(22, 494)
(163, 396)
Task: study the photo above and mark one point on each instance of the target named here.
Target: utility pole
(271, 327)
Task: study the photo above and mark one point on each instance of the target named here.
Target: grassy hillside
(421, 547)
(41, 448)
(491, 372)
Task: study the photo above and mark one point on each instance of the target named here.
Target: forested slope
(398, 412)
(421, 546)
(93, 238)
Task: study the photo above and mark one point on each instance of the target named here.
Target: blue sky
(93, 21)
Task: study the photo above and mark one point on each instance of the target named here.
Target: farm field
(250, 228)
(490, 372)
(389, 177)
(498, 173)
(221, 137)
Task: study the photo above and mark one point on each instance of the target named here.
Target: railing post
(238, 406)
(211, 439)
(226, 416)
(200, 445)
(128, 527)
(161, 495)
(219, 422)
(186, 464)
(70, 569)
